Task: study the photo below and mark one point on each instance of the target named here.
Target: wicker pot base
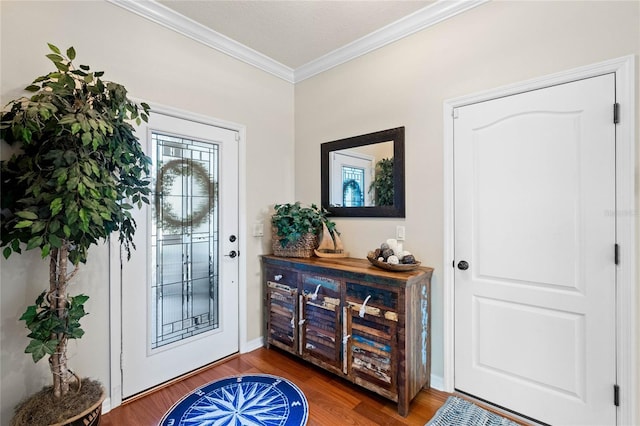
(301, 248)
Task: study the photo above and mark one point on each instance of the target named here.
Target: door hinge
(616, 395)
(121, 361)
(454, 113)
(616, 253)
(616, 113)
(237, 137)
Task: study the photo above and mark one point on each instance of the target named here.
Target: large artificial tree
(77, 173)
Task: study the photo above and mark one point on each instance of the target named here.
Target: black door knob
(232, 254)
(463, 265)
(232, 238)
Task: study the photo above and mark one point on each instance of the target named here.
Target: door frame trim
(114, 397)
(626, 206)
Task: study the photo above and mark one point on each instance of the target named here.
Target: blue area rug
(258, 399)
(460, 412)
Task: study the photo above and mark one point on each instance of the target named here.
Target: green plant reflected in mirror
(363, 175)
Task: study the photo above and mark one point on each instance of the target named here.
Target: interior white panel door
(535, 224)
(180, 287)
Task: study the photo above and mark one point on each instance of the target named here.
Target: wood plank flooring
(332, 401)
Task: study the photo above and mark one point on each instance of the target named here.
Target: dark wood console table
(367, 325)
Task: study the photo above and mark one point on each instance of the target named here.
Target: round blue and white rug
(258, 399)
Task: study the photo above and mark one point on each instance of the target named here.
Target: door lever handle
(232, 254)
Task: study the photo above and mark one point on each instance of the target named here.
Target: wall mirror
(363, 175)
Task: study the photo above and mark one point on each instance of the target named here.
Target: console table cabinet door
(282, 316)
(373, 352)
(320, 332)
(320, 319)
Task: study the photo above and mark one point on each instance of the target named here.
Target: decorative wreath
(166, 177)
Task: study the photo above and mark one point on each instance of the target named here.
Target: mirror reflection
(364, 175)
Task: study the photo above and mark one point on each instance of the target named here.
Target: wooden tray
(390, 267)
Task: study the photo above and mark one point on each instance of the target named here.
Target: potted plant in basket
(64, 190)
(295, 229)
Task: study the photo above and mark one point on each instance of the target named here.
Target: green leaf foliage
(382, 185)
(39, 349)
(27, 215)
(24, 224)
(292, 220)
(77, 160)
(50, 326)
(53, 48)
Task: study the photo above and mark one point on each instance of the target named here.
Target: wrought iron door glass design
(352, 186)
(185, 235)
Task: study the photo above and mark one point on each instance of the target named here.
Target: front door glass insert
(184, 287)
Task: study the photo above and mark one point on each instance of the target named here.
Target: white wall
(156, 65)
(405, 84)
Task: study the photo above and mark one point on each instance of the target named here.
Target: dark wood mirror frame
(398, 208)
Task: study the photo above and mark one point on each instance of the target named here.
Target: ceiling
(295, 33)
(296, 39)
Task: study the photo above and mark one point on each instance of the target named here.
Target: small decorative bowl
(392, 267)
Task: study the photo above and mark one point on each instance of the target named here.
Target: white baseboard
(106, 405)
(252, 345)
(437, 382)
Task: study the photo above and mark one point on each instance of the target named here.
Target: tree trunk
(58, 302)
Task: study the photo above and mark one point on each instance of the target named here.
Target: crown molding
(168, 18)
(410, 24)
(417, 21)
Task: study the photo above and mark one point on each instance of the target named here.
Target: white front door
(180, 287)
(535, 278)
(351, 174)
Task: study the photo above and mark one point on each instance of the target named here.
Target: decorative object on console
(296, 228)
(390, 266)
(391, 256)
(330, 244)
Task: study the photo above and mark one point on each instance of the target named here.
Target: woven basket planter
(301, 248)
(29, 412)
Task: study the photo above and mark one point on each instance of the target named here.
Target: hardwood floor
(332, 401)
